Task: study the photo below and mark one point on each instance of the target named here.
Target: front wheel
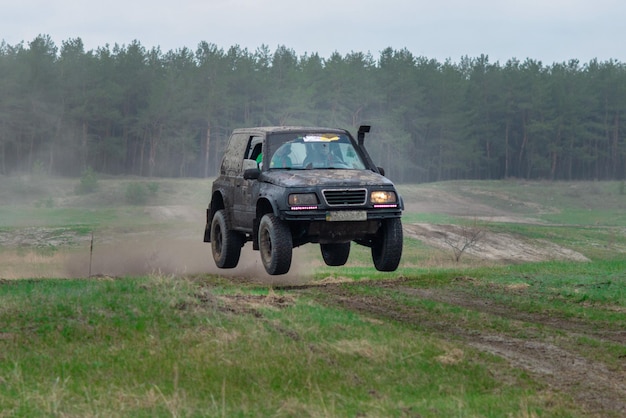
(275, 245)
(225, 243)
(335, 254)
(387, 248)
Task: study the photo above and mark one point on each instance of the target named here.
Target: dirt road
(549, 350)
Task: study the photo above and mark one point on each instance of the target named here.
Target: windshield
(313, 150)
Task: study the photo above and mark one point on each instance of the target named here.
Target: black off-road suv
(281, 187)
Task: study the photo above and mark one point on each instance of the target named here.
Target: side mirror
(250, 170)
(381, 170)
(251, 174)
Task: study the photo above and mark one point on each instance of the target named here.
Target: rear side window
(235, 150)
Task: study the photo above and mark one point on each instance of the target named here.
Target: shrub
(88, 182)
(153, 187)
(39, 169)
(136, 193)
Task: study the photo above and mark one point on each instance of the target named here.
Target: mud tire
(335, 254)
(387, 249)
(275, 245)
(225, 243)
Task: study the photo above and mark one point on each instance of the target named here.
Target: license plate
(346, 215)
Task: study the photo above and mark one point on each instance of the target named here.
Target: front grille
(343, 197)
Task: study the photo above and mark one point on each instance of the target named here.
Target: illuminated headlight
(382, 196)
(302, 199)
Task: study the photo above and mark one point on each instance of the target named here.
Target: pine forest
(127, 110)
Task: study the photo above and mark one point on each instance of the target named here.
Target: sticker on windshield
(321, 138)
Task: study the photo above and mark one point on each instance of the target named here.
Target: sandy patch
(491, 246)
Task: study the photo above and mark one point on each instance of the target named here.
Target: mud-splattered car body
(282, 187)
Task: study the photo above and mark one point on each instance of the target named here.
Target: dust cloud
(146, 255)
(156, 254)
(39, 238)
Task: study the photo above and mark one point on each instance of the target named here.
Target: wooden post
(90, 253)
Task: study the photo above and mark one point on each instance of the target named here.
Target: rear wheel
(387, 249)
(225, 243)
(335, 254)
(275, 244)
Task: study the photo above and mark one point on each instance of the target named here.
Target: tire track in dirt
(574, 327)
(599, 390)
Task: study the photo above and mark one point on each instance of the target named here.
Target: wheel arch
(217, 203)
(263, 206)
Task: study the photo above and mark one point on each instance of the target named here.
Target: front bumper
(317, 225)
(326, 215)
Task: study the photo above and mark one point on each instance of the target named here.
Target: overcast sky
(545, 30)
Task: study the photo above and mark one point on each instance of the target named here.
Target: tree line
(133, 111)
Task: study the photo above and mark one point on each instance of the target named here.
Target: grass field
(158, 331)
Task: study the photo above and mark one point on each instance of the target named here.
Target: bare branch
(468, 237)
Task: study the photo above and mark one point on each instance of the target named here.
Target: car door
(244, 208)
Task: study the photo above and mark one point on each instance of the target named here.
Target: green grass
(581, 216)
(434, 218)
(163, 346)
(16, 216)
(567, 288)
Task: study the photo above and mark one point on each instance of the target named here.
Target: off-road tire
(335, 254)
(275, 244)
(387, 248)
(225, 243)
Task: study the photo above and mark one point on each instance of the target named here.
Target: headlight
(302, 199)
(382, 196)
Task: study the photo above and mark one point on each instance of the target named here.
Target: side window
(254, 150)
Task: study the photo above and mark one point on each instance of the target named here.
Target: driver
(319, 155)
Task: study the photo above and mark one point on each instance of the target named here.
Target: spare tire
(335, 254)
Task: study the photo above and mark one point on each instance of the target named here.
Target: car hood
(325, 177)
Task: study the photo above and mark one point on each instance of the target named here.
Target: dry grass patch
(362, 348)
(246, 303)
(451, 356)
